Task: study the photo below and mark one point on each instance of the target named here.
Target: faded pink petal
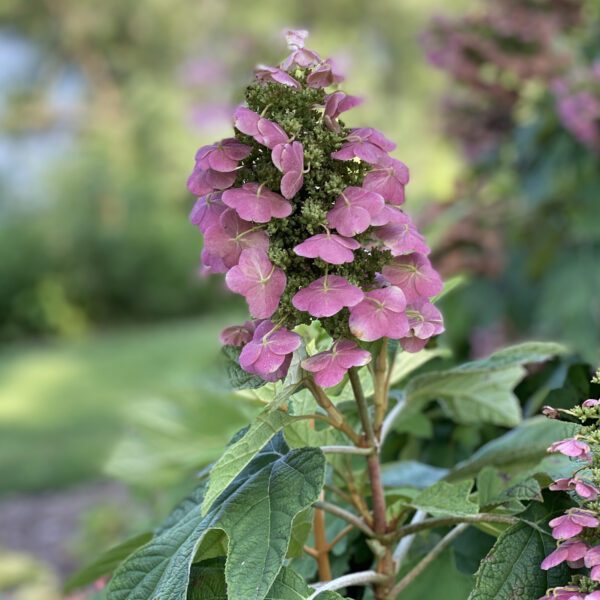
(367, 144)
(425, 321)
(275, 75)
(572, 523)
(324, 75)
(224, 156)
(563, 528)
(326, 296)
(254, 202)
(302, 57)
(207, 210)
(259, 281)
(388, 178)
(402, 237)
(571, 551)
(295, 38)
(238, 335)
(573, 448)
(211, 263)
(330, 367)
(415, 276)
(591, 403)
(594, 576)
(592, 557)
(380, 314)
(202, 182)
(265, 132)
(289, 159)
(331, 248)
(268, 349)
(354, 211)
(227, 238)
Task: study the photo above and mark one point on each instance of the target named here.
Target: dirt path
(45, 524)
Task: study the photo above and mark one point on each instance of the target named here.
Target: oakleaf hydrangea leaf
(447, 499)
(208, 583)
(256, 512)
(237, 456)
(512, 567)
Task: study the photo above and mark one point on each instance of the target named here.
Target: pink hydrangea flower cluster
(305, 217)
(578, 104)
(577, 531)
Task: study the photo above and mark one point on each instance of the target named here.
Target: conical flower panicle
(304, 216)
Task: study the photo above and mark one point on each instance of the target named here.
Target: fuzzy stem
(363, 408)
(321, 545)
(335, 415)
(346, 450)
(429, 558)
(381, 386)
(446, 521)
(360, 578)
(403, 547)
(346, 515)
(340, 536)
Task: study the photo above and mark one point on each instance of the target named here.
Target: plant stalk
(381, 386)
(321, 545)
(421, 566)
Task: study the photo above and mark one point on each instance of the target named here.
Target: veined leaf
(520, 448)
(444, 499)
(469, 396)
(107, 562)
(238, 378)
(240, 453)
(256, 512)
(208, 583)
(480, 391)
(512, 568)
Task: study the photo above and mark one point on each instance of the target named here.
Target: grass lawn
(63, 405)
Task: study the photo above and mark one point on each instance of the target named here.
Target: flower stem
(345, 515)
(335, 415)
(363, 408)
(446, 521)
(321, 545)
(381, 386)
(360, 578)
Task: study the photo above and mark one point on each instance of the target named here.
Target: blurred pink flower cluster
(492, 54)
(238, 217)
(578, 102)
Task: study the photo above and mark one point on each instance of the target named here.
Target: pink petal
(326, 296)
(415, 276)
(257, 203)
(331, 248)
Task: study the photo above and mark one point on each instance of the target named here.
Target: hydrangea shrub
(328, 493)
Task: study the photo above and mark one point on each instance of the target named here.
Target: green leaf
(408, 362)
(519, 449)
(444, 499)
(480, 391)
(256, 512)
(410, 473)
(107, 562)
(470, 396)
(207, 582)
(238, 378)
(494, 489)
(301, 528)
(512, 568)
(239, 454)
